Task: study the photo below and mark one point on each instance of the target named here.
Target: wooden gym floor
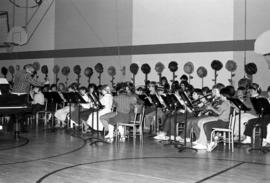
(57, 156)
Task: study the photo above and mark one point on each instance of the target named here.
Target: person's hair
(225, 92)
(255, 87)
(190, 88)
(184, 77)
(268, 89)
(184, 83)
(130, 86)
(74, 86)
(164, 78)
(206, 89)
(92, 85)
(153, 83)
(218, 86)
(241, 88)
(198, 91)
(83, 88)
(139, 88)
(175, 86)
(53, 85)
(231, 90)
(61, 84)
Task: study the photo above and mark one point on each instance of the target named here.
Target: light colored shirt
(224, 111)
(124, 103)
(38, 98)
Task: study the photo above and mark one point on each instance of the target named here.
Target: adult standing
(23, 80)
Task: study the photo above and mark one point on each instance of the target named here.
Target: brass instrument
(204, 109)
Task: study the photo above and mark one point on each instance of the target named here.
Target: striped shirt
(124, 103)
(22, 82)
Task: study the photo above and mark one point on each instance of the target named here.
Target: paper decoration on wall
(251, 69)
(77, 70)
(112, 73)
(11, 70)
(4, 71)
(56, 70)
(45, 70)
(202, 73)
(36, 66)
(99, 70)
(123, 70)
(146, 69)
(159, 69)
(134, 70)
(88, 72)
(18, 67)
(173, 67)
(189, 69)
(231, 66)
(216, 65)
(65, 72)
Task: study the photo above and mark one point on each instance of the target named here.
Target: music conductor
(23, 80)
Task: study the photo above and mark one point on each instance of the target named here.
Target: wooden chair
(225, 131)
(136, 124)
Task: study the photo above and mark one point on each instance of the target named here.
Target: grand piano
(13, 105)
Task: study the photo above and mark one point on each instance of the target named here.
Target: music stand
(241, 107)
(73, 98)
(94, 140)
(157, 104)
(53, 98)
(173, 105)
(145, 100)
(189, 105)
(262, 107)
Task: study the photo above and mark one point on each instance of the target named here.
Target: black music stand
(173, 105)
(189, 105)
(262, 107)
(157, 105)
(73, 98)
(145, 99)
(241, 107)
(94, 140)
(53, 98)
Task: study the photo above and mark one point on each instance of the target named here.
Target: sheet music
(3, 81)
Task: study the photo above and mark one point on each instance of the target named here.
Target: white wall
(92, 23)
(180, 21)
(154, 22)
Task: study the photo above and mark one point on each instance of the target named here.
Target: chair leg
(36, 120)
(134, 133)
(229, 134)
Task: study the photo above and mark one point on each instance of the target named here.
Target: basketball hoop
(17, 36)
(262, 46)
